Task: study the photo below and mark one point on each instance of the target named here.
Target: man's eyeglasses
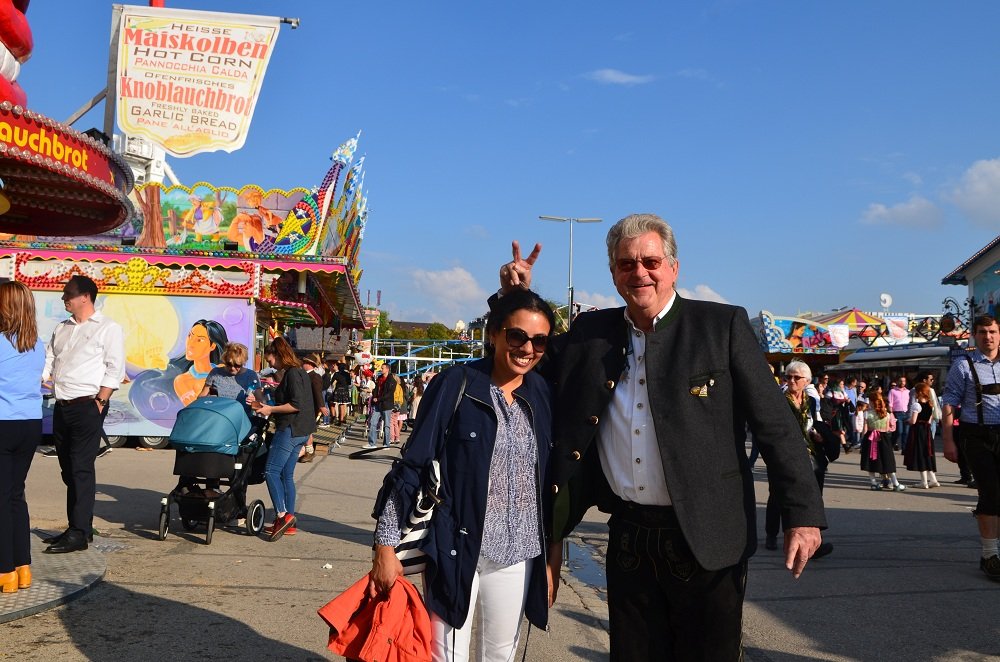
(794, 378)
(648, 263)
(516, 338)
(233, 366)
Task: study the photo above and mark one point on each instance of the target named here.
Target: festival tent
(855, 319)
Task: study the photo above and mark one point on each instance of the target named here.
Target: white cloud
(602, 301)
(913, 178)
(617, 77)
(702, 293)
(450, 290)
(917, 212)
(978, 195)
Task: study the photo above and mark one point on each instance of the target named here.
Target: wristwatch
(101, 401)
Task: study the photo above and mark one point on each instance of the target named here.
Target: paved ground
(902, 584)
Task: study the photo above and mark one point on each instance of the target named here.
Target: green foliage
(560, 315)
(438, 331)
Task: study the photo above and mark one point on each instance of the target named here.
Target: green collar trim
(672, 314)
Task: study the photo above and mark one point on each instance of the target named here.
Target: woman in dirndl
(877, 457)
(919, 454)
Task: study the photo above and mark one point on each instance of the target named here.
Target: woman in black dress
(919, 454)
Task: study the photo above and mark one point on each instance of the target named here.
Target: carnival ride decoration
(54, 180)
(793, 335)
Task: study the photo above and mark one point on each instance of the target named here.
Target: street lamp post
(570, 221)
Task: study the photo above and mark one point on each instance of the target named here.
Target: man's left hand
(801, 542)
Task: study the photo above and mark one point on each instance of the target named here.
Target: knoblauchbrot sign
(189, 80)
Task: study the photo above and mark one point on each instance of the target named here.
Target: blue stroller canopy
(211, 425)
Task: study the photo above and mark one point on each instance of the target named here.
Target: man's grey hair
(636, 225)
(799, 369)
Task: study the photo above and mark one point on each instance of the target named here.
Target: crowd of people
(640, 410)
(845, 412)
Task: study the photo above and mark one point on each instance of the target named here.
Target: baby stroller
(216, 443)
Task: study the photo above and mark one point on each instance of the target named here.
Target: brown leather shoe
(8, 582)
(23, 576)
(308, 456)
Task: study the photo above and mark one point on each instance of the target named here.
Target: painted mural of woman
(159, 394)
(202, 351)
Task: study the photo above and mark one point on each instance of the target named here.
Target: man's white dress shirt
(629, 452)
(82, 358)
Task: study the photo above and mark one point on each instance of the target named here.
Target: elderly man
(650, 405)
(86, 362)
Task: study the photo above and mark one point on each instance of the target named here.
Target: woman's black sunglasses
(516, 338)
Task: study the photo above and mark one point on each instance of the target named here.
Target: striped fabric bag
(418, 524)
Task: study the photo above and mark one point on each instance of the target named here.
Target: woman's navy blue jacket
(456, 535)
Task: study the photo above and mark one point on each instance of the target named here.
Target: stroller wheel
(210, 529)
(189, 524)
(164, 522)
(255, 518)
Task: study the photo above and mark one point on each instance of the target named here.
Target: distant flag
(345, 153)
(351, 181)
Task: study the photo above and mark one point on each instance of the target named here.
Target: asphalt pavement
(902, 583)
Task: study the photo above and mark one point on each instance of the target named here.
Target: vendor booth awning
(926, 356)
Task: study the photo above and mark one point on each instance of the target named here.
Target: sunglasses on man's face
(794, 378)
(516, 338)
(648, 263)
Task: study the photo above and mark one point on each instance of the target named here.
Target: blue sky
(808, 155)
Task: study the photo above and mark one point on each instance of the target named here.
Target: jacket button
(610, 384)
(576, 455)
(454, 553)
(555, 489)
(593, 420)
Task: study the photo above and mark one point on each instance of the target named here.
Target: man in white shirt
(86, 362)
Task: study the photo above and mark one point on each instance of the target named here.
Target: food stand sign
(189, 80)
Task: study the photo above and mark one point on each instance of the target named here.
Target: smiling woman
(492, 449)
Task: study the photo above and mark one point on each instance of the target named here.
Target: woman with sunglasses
(232, 379)
(488, 425)
(805, 408)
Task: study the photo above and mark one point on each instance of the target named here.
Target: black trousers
(77, 429)
(662, 604)
(18, 440)
(982, 451)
